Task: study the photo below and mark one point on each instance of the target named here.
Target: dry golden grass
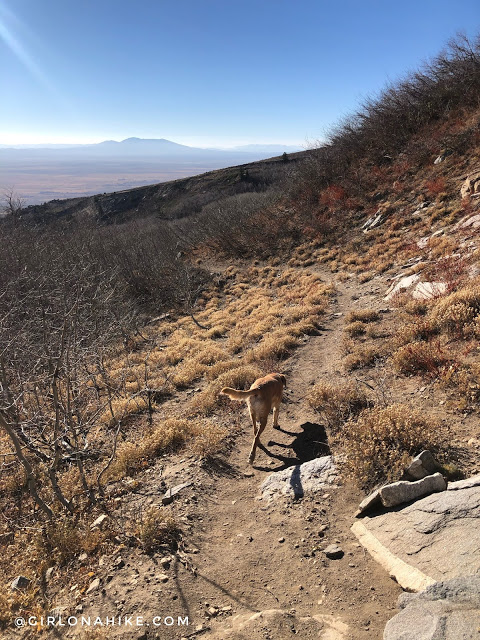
(337, 403)
(356, 328)
(362, 315)
(380, 442)
(136, 455)
(363, 355)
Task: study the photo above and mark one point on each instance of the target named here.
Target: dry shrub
(418, 357)
(380, 442)
(362, 315)
(464, 380)
(362, 356)
(415, 307)
(421, 330)
(461, 308)
(208, 439)
(278, 344)
(133, 456)
(157, 529)
(337, 403)
(356, 328)
(365, 276)
(61, 541)
(123, 407)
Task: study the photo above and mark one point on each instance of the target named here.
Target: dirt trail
(256, 557)
(245, 556)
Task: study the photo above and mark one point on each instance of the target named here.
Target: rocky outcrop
(471, 185)
(417, 289)
(296, 481)
(412, 543)
(472, 222)
(448, 610)
(373, 222)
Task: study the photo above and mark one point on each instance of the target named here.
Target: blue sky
(207, 72)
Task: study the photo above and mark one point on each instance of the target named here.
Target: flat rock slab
(448, 610)
(433, 539)
(278, 623)
(296, 481)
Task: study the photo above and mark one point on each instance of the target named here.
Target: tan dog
(264, 394)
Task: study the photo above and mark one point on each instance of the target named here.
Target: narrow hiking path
(254, 556)
(241, 555)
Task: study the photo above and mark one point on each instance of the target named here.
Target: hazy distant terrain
(38, 174)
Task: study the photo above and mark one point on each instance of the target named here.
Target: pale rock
(93, 585)
(99, 522)
(404, 491)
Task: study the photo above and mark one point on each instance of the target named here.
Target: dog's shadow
(310, 443)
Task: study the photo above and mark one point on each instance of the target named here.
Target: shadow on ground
(310, 443)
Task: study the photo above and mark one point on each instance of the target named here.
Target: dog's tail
(235, 394)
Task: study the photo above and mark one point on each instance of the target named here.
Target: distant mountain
(153, 146)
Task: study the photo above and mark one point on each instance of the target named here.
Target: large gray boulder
(433, 539)
(448, 610)
(296, 481)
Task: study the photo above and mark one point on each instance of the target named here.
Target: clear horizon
(195, 141)
(207, 73)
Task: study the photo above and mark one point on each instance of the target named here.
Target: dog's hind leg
(276, 410)
(254, 420)
(256, 439)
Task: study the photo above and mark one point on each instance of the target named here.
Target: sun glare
(10, 27)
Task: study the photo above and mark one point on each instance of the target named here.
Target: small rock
(20, 582)
(165, 561)
(282, 539)
(48, 573)
(171, 493)
(79, 608)
(119, 562)
(99, 522)
(93, 585)
(422, 465)
(226, 609)
(370, 502)
(212, 611)
(82, 557)
(334, 552)
(163, 577)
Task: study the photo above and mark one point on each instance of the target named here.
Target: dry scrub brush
(380, 442)
(338, 403)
